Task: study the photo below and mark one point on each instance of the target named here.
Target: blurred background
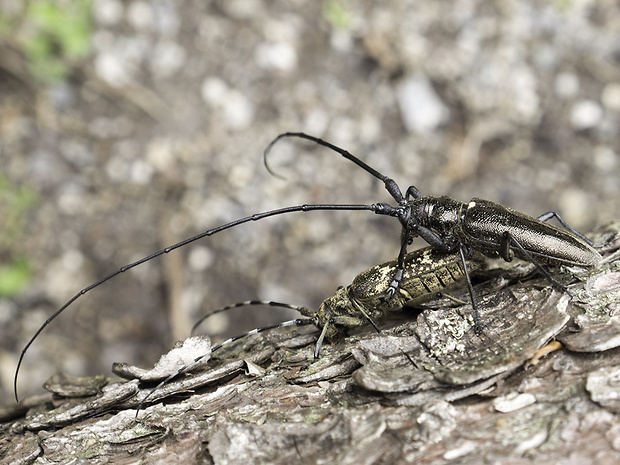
(126, 126)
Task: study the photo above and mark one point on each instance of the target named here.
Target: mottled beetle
(446, 224)
(427, 272)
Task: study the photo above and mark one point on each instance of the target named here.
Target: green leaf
(336, 14)
(13, 277)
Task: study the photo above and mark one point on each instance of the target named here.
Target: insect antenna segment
(247, 303)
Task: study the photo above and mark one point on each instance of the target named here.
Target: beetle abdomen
(485, 223)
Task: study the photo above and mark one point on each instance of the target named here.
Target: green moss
(15, 203)
(51, 35)
(335, 13)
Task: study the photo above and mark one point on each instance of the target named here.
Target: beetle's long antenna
(382, 209)
(266, 303)
(390, 184)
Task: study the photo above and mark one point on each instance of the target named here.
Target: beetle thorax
(442, 215)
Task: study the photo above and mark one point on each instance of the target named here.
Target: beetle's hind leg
(547, 216)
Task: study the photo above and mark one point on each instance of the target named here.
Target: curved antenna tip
(266, 154)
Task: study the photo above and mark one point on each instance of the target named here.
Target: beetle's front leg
(400, 270)
(408, 234)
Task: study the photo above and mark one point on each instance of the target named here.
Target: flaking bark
(428, 389)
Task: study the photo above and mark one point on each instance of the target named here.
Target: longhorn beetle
(446, 224)
(426, 272)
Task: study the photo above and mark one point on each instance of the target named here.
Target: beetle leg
(366, 315)
(413, 191)
(433, 239)
(408, 234)
(398, 276)
(504, 248)
(319, 341)
(472, 294)
(547, 216)
(360, 308)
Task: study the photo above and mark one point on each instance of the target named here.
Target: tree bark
(539, 384)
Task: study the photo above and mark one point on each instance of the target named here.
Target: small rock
(421, 109)
(566, 85)
(167, 59)
(108, 12)
(611, 96)
(280, 56)
(586, 114)
(140, 16)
